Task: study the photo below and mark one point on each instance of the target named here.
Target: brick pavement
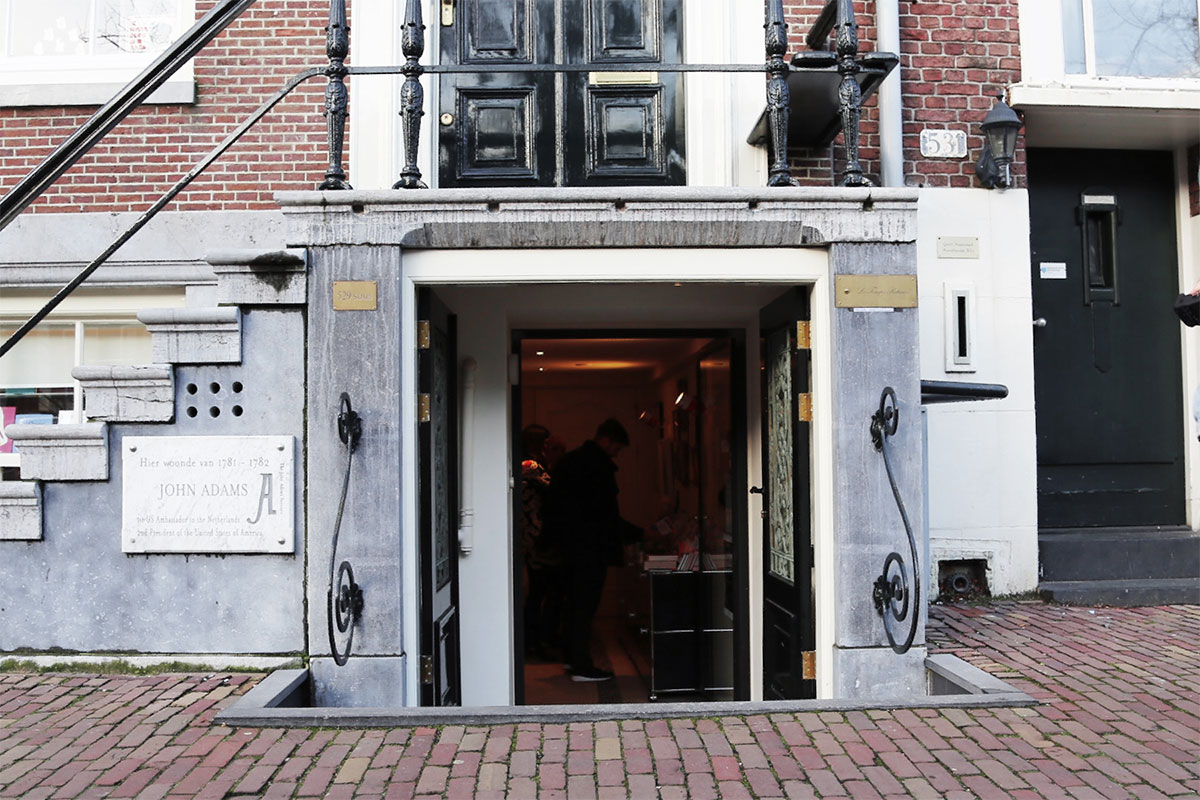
(1120, 719)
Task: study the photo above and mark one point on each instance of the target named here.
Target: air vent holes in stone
(212, 401)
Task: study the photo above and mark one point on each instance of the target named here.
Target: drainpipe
(891, 130)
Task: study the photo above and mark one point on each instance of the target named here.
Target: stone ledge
(260, 277)
(20, 511)
(62, 452)
(128, 393)
(613, 217)
(194, 335)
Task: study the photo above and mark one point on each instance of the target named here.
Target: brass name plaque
(355, 295)
(875, 291)
(607, 78)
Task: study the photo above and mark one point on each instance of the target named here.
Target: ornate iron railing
(837, 15)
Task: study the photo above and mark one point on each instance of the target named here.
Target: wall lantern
(1000, 128)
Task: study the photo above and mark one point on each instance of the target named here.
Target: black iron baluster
(412, 96)
(849, 92)
(337, 47)
(778, 96)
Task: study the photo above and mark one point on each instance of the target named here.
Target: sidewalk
(1120, 718)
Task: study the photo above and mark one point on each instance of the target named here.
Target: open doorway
(671, 623)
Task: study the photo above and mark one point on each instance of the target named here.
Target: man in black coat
(581, 517)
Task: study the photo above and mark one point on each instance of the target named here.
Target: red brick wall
(141, 158)
(954, 55)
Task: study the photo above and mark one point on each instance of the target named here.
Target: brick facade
(954, 56)
(141, 158)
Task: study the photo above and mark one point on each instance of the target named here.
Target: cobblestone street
(1119, 717)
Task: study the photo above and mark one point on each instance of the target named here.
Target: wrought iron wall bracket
(891, 593)
(344, 598)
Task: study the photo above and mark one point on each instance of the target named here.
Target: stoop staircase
(115, 395)
(1120, 566)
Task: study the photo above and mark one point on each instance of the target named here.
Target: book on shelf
(653, 562)
(688, 562)
(718, 561)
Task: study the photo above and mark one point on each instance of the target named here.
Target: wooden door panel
(437, 487)
(497, 30)
(495, 134)
(1106, 365)
(789, 620)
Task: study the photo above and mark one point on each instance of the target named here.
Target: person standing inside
(581, 514)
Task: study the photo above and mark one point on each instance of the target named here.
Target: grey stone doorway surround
(363, 235)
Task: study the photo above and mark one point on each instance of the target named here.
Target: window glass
(116, 344)
(43, 358)
(1146, 38)
(1074, 50)
(74, 28)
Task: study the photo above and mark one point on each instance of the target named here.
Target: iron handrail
(153, 210)
(114, 111)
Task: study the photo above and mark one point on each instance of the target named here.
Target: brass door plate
(875, 291)
(355, 295)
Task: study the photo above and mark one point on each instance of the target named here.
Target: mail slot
(621, 78)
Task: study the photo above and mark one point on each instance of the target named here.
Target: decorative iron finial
(849, 92)
(412, 96)
(778, 95)
(337, 47)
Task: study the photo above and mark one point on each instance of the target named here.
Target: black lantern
(1000, 128)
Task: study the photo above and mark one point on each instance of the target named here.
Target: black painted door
(789, 621)
(1107, 360)
(593, 127)
(437, 412)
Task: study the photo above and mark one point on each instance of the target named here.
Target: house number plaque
(355, 295)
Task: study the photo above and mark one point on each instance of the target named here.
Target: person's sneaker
(589, 673)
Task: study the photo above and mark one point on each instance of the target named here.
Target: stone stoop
(1120, 566)
(146, 393)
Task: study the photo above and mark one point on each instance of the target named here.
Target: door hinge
(422, 334)
(423, 407)
(808, 665)
(804, 407)
(427, 670)
(803, 334)
(447, 12)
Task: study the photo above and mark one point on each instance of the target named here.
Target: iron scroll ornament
(346, 605)
(891, 592)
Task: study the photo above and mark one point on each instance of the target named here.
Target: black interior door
(1107, 360)
(437, 415)
(532, 128)
(789, 621)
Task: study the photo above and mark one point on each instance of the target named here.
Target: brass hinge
(804, 407)
(427, 670)
(803, 334)
(447, 12)
(422, 334)
(423, 407)
(808, 665)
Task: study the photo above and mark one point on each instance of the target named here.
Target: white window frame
(1043, 53)
(90, 80)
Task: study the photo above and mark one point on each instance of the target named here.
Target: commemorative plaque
(208, 494)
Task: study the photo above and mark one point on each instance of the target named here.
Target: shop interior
(667, 626)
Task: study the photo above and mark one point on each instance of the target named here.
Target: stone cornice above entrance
(635, 217)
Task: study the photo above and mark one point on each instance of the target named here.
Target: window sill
(16, 95)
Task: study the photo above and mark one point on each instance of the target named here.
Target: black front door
(789, 621)
(531, 128)
(1106, 359)
(437, 417)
